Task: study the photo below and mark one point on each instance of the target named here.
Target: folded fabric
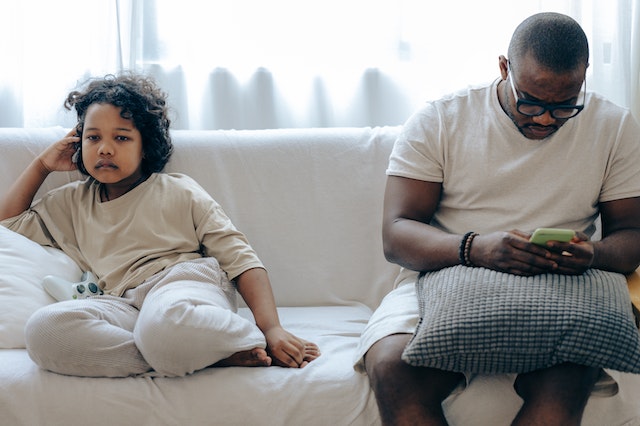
(478, 320)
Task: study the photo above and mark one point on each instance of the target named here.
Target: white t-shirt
(493, 178)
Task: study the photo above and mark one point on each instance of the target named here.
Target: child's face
(111, 146)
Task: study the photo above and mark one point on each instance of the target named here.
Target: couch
(309, 200)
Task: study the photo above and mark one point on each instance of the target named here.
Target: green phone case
(542, 235)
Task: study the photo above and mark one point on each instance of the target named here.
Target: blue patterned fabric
(477, 320)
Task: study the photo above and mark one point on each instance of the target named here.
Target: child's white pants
(178, 321)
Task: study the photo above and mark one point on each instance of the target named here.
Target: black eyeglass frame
(544, 107)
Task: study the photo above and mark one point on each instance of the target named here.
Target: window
(252, 64)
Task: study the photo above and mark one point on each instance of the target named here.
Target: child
(154, 240)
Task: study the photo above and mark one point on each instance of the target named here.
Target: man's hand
(513, 253)
(574, 257)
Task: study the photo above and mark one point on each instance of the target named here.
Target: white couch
(310, 202)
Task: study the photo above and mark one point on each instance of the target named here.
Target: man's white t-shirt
(494, 178)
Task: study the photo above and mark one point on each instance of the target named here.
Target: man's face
(535, 84)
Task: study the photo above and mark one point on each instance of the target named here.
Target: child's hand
(59, 156)
(287, 350)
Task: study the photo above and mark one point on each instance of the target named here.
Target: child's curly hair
(141, 101)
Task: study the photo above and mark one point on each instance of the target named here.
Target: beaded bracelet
(465, 248)
(463, 244)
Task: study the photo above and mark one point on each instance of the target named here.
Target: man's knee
(555, 395)
(383, 360)
(405, 393)
(389, 373)
(563, 380)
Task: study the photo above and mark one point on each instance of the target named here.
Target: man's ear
(503, 64)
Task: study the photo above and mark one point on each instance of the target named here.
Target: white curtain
(249, 64)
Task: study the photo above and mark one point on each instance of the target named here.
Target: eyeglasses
(535, 109)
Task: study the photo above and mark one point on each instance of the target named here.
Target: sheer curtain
(249, 64)
(46, 48)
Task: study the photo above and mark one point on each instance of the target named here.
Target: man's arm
(619, 248)
(411, 242)
(620, 245)
(408, 239)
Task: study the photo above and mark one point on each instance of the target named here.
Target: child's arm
(286, 349)
(56, 157)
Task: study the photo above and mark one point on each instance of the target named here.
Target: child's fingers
(284, 359)
(295, 353)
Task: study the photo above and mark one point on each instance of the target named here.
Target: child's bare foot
(311, 352)
(256, 357)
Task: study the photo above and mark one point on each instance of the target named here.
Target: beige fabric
(165, 220)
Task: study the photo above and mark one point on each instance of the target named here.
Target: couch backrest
(309, 200)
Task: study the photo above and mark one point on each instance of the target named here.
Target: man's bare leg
(406, 394)
(256, 357)
(556, 395)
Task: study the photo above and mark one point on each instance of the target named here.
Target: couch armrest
(633, 281)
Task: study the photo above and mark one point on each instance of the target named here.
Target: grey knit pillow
(478, 320)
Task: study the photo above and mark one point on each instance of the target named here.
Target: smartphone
(542, 235)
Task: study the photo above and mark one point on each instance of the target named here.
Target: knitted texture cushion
(477, 320)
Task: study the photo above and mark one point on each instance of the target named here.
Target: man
(532, 149)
